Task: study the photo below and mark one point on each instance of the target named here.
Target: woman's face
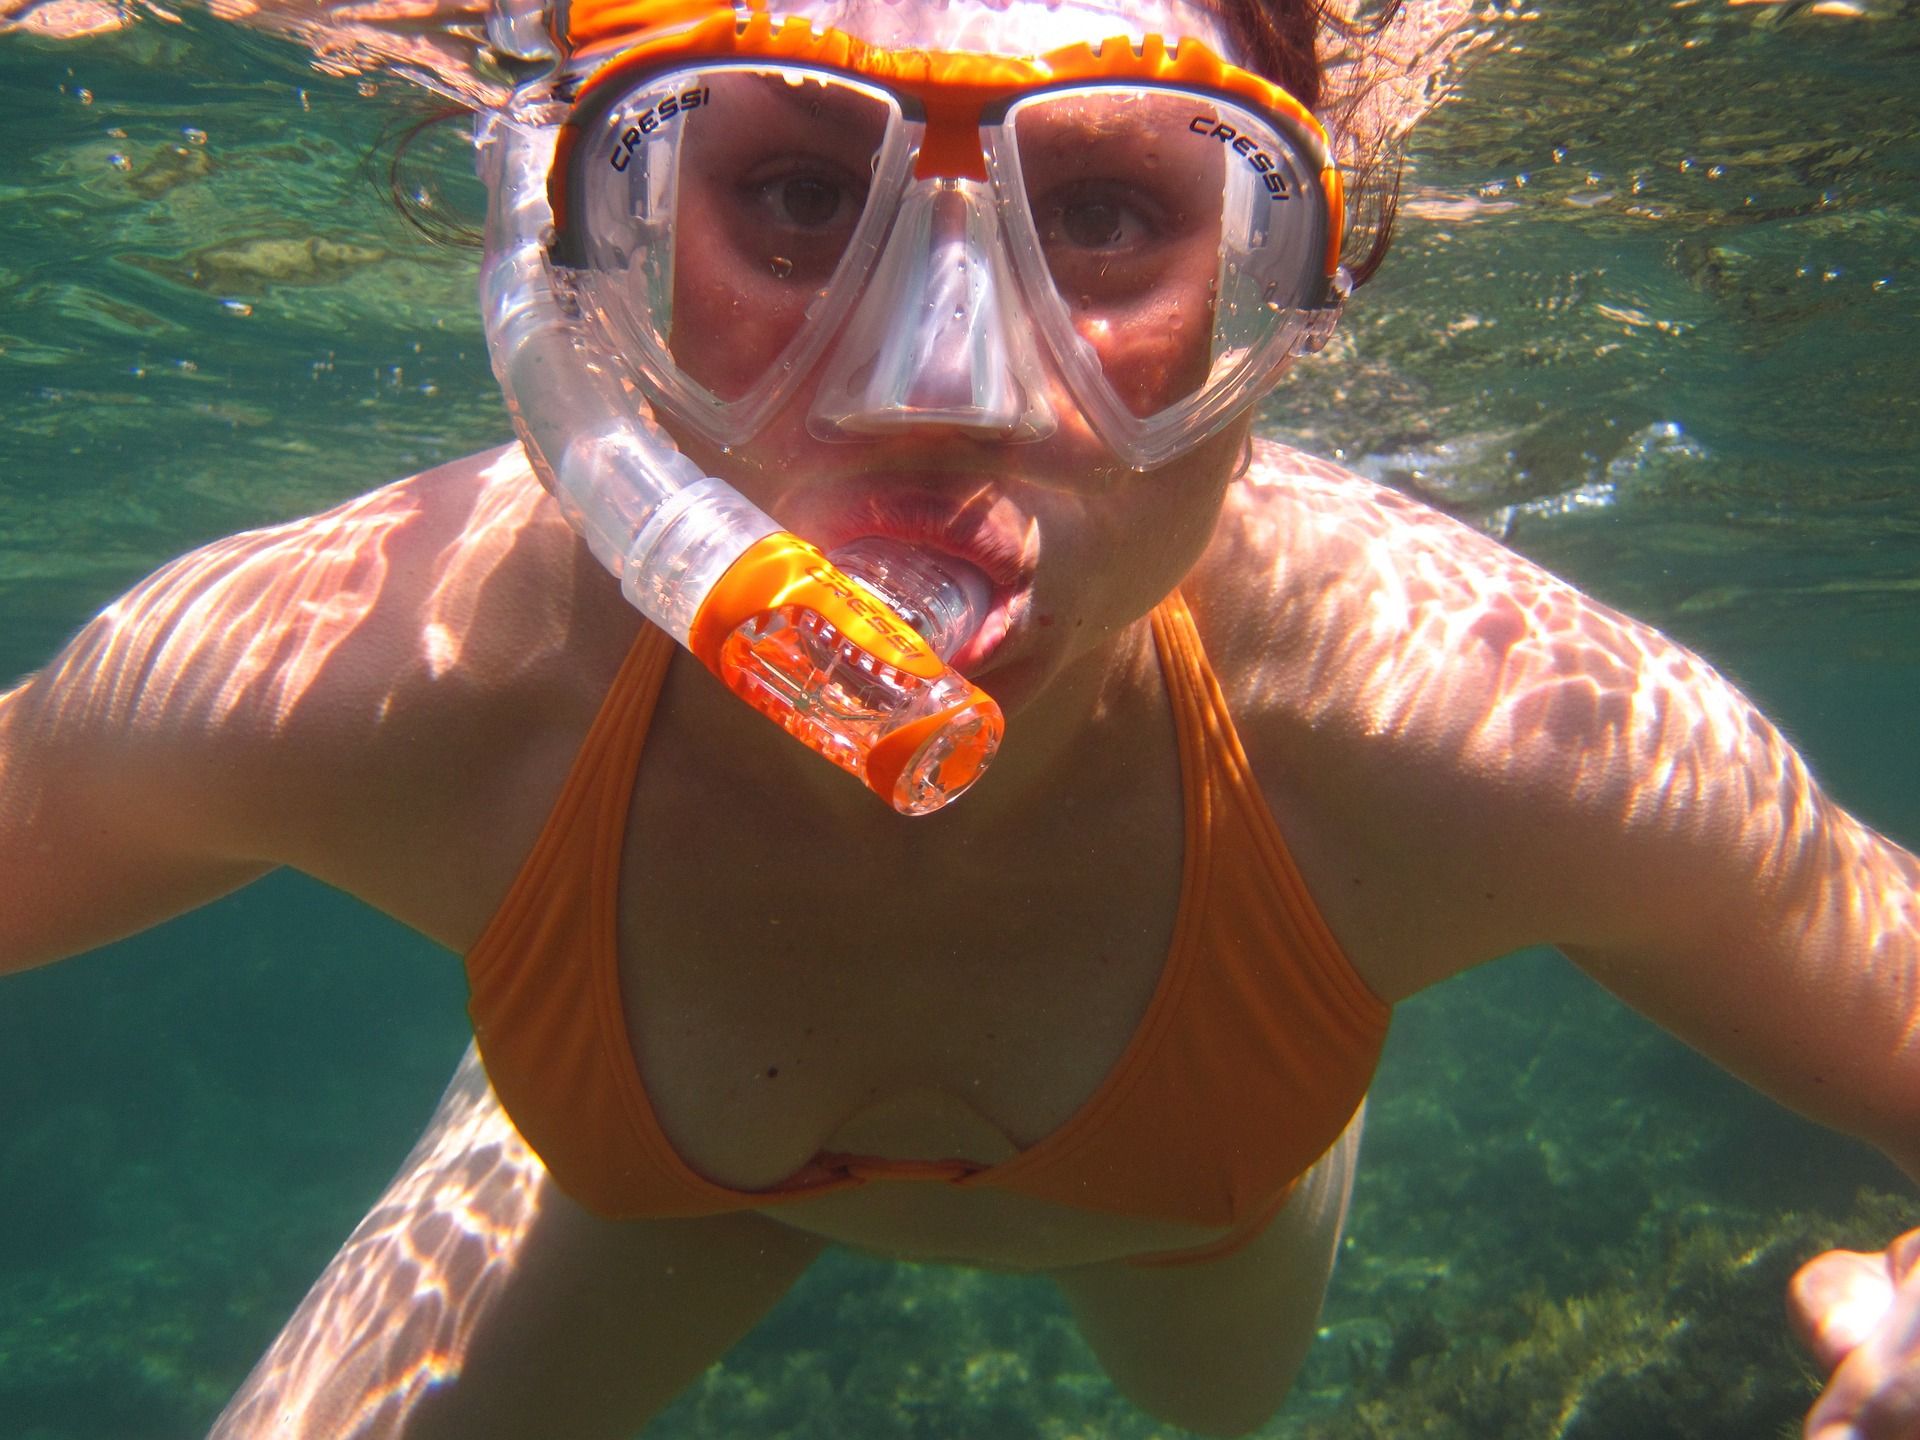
(1076, 544)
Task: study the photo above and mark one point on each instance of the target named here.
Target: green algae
(1678, 1343)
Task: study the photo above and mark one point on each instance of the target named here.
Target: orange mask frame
(954, 89)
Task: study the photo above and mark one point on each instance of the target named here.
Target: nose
(938, 339)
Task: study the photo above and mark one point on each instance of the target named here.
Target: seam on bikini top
(1323, 951)
(632, 686)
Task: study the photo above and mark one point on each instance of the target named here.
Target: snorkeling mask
(710, 206)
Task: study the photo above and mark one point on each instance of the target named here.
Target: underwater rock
(170, 166)
(248, 264)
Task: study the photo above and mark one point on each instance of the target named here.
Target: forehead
(1010, 27)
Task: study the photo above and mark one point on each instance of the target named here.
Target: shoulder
(461, 575)
(1467, 753)
(1351, 606)
(352, 658)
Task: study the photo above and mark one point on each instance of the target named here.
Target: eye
(808, 201)
(808, 197)
(1098, 216)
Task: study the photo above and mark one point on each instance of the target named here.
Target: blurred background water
(1652, 316)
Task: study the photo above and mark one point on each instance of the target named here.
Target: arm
(84, 851)
(107, 824)
(476, 1300)
(384, 696)
(164, 757)
(1475, 758)
(1704, 877)
(1800, 971)
(1493, 760)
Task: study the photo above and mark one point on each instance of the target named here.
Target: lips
(994, 629)
(983, 529)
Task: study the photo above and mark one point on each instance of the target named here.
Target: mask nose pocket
(939, 337)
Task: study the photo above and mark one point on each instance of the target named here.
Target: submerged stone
(248, 264)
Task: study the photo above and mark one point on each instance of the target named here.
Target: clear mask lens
(940, 336)
(1176, 251)
(718, 209)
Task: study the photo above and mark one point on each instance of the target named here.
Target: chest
(916, 989)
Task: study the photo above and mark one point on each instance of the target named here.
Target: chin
(1015, 684)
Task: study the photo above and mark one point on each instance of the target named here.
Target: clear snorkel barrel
(787, 629)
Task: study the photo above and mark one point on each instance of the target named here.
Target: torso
(1462, 754)
(967, 1005)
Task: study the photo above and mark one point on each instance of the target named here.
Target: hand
(1860, 1316)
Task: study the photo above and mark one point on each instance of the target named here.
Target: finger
(1836, 1300)
(1875, 1393)
(1903, 1256)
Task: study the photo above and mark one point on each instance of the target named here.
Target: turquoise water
(1652, 314)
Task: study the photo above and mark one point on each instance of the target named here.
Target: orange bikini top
(1255, 1050)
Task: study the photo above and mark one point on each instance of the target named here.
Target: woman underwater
(1281, 747)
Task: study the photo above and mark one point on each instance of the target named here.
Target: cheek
(1141, 539)
(1156, 360)
(1157, 352)
(730, 323)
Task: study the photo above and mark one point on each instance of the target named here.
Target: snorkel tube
(828, 651)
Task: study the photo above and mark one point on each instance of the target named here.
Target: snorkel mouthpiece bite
(833, 663)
